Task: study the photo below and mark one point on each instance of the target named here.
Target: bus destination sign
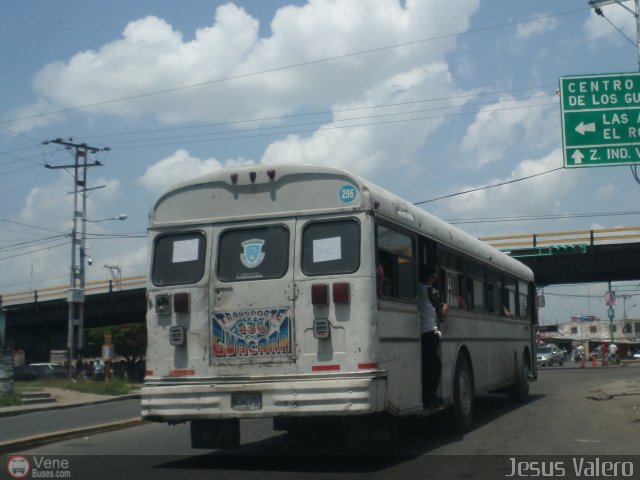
(600, 120)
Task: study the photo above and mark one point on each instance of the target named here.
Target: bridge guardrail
(61, 291)
(590, 237)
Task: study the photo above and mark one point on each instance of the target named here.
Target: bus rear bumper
(167, 402)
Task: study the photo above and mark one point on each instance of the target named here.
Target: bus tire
(519, 391)
(461, 411)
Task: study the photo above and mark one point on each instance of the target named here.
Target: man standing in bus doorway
(432, 312)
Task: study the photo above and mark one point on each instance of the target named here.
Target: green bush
(114, 386)
(10, 399)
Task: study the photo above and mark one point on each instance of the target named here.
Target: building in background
(591, 332)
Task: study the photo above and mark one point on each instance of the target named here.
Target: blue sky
(424, 97)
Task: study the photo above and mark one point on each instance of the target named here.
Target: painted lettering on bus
(251, 333)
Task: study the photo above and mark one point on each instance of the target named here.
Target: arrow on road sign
(577, 156)
(582, 127)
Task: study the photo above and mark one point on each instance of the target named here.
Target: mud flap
(212, 434)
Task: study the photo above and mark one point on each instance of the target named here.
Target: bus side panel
(399, 344)
(491, 355)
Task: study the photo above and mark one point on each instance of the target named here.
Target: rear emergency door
(253, 298)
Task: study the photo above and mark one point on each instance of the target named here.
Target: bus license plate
(246, 401)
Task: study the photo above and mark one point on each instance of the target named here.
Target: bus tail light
(181, 303)
(341, 292)
(320, 294)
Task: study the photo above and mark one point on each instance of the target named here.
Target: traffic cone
(594, 363)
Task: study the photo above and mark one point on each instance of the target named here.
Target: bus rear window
(253, 253)
(331, 247)
(178, 259)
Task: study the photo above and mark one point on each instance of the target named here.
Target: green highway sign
(600, 119)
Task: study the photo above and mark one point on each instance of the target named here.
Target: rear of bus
(261, 302)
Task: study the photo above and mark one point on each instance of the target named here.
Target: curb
(11, 446)
(21, 411)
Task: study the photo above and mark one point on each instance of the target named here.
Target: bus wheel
(461, 412)
(519, 391)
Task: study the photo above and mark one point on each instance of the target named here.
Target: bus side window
(396, 278)
(453, 290)
(509, 297)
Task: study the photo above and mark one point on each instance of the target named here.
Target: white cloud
(509, 122)
(535, 196)
(32, 115)
(385, 136)
(606, 192)
(152, 56)
(182, 166)
(537, 27)
(47, 213)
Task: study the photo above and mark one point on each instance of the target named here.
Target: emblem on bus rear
(253, 254)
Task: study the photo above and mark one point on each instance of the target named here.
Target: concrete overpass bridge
(39, 318)
(577, 256)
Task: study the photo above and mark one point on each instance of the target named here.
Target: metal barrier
(590, 237)
(62, 291)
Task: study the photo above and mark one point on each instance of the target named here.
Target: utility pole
(75, 296)
(596, 4)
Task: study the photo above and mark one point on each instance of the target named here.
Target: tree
(128, 340)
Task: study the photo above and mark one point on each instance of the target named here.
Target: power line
(538, 217)
(335, 111)
(489, 186)
(290, 66)
(34, 251)
(29, 226)
(20, 245)
(325, 127)
(242, 134)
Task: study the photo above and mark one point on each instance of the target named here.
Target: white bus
(265, 300)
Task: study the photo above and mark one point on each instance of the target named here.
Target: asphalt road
(46, 421)
(572, 412)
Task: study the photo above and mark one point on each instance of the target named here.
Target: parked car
(49, 370)
(25, 372)
(549, 354)
(636, 355)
